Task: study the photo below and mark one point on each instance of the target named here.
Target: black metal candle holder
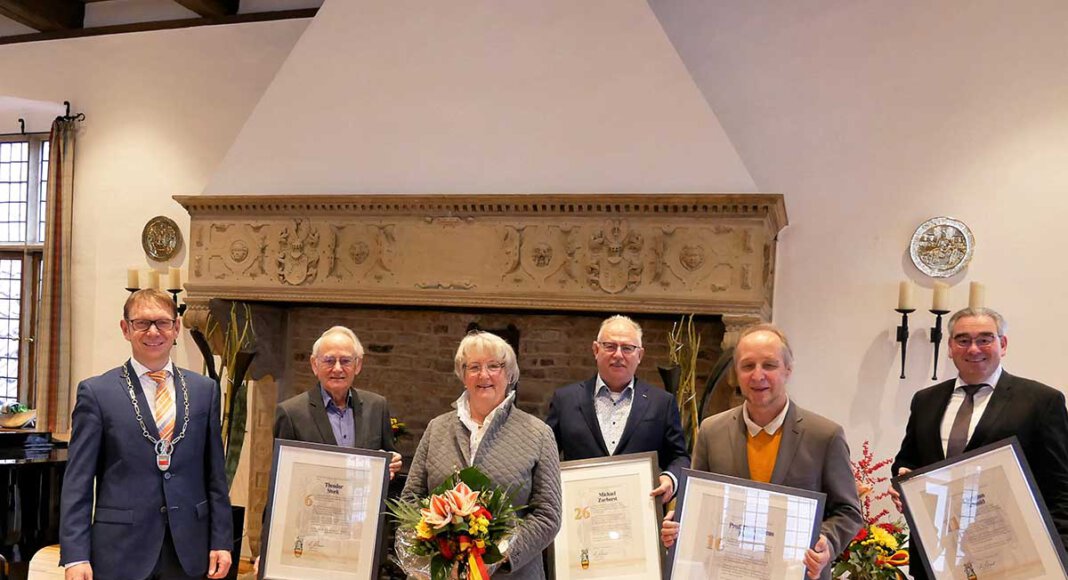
(936, 338)
(903, 333)
(175, 292)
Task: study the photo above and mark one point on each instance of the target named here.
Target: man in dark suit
(770, 439)
(148, 435)
(333, 412)
(985, 404)
(613, 413)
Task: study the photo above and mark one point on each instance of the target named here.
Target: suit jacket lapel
(590, 414)
(179, 402)
(999, 400)
(318, 415)
(142, 402)
(932, 426)
(792, 430)
(738, 445)
(359, 428)
(638, 407)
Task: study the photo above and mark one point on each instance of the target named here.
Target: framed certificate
(610, 526)
(732, 528)
(325, 513)
(980, 515)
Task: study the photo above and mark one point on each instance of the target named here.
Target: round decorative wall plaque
(161, 238)
(941, 247)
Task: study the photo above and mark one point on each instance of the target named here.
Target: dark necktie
(958, 435)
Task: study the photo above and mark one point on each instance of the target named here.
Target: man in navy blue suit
(613, 413)
(146, 448)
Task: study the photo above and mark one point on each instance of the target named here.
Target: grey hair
(787, 352)
(491, 344)
(970, 312)
(620, 319)
(342, 330)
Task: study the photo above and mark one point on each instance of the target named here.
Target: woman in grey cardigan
(514, 449)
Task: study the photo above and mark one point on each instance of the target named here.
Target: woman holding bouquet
(514, 449)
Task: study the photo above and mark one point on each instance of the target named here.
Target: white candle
(153, 279)
(133, 278)
(174, 278)
(941, 296)
(976, 295)
(904, 295)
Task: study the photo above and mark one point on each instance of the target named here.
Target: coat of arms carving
(298, 254)
(615, 258)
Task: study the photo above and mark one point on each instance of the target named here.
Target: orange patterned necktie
(164, 412)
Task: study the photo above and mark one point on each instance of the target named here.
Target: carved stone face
(543, 254)
(691, 257)
(359, 251)
(238, 251)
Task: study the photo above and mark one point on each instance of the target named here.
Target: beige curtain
(53, 391)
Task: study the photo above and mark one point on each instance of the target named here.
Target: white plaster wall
(872, 117)
(482, 96)
(161, 109)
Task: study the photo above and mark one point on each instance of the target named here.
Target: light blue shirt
(341, 422)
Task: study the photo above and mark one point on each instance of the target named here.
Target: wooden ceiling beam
(45, 15)
(211, 8)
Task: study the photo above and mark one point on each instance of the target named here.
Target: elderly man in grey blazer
(333, 412)
(772, 440)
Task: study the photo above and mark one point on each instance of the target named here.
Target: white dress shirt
(982, 399)
(148, 385)
(772, 425)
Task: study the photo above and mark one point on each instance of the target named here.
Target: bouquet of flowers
(878, 549)
(461, 527)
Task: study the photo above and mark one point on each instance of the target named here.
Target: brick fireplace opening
(409, 353)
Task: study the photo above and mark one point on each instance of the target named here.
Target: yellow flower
(423, 531)
(881, 537)
(478, 525)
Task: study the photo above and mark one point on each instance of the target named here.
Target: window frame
(31, 253)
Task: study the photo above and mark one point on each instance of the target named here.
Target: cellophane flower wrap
(461, 528)
(880, 548)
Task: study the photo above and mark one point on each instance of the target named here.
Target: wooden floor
(45, 566)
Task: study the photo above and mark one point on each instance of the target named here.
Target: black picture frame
(1037, 515)
(637, 463)
(284, 448)
(727, 482)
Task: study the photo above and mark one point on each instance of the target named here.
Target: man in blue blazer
(613, 413)
(146, 449)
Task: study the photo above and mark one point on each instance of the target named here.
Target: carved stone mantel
(673, 253)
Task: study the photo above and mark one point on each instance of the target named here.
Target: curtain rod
(66, 117)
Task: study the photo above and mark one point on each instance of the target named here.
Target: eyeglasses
(981, 341)
(492, 368)
(162, 325)
(346, 362)
(626, 349)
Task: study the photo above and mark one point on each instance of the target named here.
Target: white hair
(344, 331)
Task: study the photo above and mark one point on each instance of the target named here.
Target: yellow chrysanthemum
(881, 537)
(423, 531)
(478, 525)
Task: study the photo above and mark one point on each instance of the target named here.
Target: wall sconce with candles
(904, 307)
(136, 280)
(939, 307)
